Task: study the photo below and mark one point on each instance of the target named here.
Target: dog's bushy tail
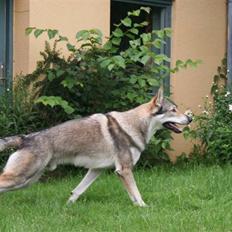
(10, 142)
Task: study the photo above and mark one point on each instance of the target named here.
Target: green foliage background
(95, 77)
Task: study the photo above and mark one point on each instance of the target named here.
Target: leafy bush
(100, 77)
(214, 124)
(17, 114)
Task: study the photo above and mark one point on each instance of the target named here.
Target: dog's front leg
(89, 178)
(128, 180)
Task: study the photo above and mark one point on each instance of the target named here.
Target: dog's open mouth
(172, 126)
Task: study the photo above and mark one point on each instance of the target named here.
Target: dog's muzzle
(189, 115)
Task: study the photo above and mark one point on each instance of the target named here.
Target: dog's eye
(173, 110)
(160, 111)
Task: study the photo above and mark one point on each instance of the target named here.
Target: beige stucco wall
(20, 41)
(199, 32)
(67, 16)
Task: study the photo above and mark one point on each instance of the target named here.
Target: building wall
(67, 16)
(20, 41)
(199, 32)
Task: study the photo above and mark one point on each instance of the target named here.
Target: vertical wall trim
(166, 22)
(229, 47)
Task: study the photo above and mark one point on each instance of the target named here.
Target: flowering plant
(213, 126)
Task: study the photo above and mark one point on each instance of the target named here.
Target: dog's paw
(140, 203)
(72, 199)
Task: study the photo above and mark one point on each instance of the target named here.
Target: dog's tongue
(173, 127)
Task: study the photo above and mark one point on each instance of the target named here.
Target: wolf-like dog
(112, 140)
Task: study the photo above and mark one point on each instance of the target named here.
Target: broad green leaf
(71, 47)
(55, 101)
(134, 13)
(179, 63)
(145, 23)
(129, 35)
(120, 61)
(107, 45)
(63, 38)
(68, 83)
(133, 79)
(146, 9)
(159, 33)
(28, 30)
(111, 66)
(131, 95)
(117, 32)
(168, 31)
(153, 82)
(105, 63)
(126, 22)
(134, 31)
(50, 75)
(144, 49)
(136, 25)
(145, 59)
(38, 32)
(135, 43)
(116, 41)
(142, 82)
(161, 58)
(52, 33)
(82, 35)
(146, 37)
(158, 43)
(59, 72)
(96, 31)
(95, 35)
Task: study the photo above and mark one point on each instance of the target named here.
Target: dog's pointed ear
(160, 96)
(157, 100)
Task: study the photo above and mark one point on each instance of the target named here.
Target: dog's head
(164, 114)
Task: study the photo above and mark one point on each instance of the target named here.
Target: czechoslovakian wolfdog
(112, 140)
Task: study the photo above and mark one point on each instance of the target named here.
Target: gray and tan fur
(112, 140)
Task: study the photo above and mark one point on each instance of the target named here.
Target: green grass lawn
(188, 198)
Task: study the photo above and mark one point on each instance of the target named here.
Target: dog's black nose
(189, 118)
(189, 115)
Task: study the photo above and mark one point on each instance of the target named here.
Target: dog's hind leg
(89, 178)
(22, 169)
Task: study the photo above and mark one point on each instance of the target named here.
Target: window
(159, 18)
(6, 7)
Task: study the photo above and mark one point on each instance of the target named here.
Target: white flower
(8, 90)
(205, 112)
(227, 94)
(199, 106)
(230, 107)
(207, 96)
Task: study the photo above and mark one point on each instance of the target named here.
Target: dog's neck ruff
(120, 137)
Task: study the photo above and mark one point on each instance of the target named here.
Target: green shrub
(214, 124)
(100, 77)
(17, 115)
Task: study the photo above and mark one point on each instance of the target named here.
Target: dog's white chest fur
(94, 162)
(135, 155)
